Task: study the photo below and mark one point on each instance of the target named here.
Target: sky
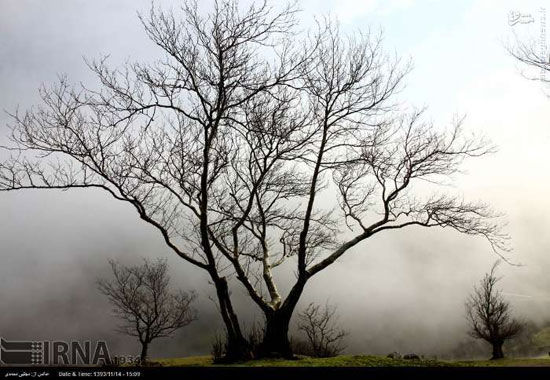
(402, 291)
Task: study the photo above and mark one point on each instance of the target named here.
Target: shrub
(323, 337)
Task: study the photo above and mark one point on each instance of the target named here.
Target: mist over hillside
(400, 292)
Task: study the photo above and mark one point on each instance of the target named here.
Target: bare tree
(155, 134)
(227, 145)
(489, 314)
(142, 299)
(320, 326)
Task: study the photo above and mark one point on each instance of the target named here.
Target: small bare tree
(144, 302)
(489, 314)
(321, 330)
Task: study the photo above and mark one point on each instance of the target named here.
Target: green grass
(342, 361)
(190, 361)
(357, 361)
(506, 362)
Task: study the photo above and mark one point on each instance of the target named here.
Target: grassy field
(358, 361)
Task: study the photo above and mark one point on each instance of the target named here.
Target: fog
(402, 291)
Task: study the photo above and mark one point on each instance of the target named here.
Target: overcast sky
(401, 291)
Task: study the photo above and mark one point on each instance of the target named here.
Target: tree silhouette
(144, 302)
(320, 327)
(489, 314)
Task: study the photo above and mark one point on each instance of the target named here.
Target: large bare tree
(489, 314)
(142, 299)
(252, 151)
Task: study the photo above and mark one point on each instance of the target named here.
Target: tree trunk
(238, 348)
(497, 351)
(143, 356)
(275, 342)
